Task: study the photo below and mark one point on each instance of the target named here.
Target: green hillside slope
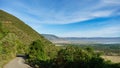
(25, 33)
(15, 36)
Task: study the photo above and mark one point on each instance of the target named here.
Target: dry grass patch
(114, 59)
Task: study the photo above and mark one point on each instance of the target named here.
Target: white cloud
(66, 17)
(105, 13)
(68, 14)
(112, 1)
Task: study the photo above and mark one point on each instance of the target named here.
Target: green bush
(36, 53)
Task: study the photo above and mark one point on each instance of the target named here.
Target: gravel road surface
(18, 62)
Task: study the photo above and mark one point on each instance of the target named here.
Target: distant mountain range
(55, 39)
(82, 40)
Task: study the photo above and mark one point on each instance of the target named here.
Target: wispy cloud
(104, 32)
(112, 1)
(67, 13)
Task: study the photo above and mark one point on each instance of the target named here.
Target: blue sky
(68, 18)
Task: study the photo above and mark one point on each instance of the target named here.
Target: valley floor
(114, 59)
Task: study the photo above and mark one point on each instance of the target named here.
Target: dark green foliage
(74, 57)
(36, 51)
(36, 54)
(107, 49)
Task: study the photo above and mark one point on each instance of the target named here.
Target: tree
(76, 57)
(36, 53)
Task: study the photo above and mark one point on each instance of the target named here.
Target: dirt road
(18, 62)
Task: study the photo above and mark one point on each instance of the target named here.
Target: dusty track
(18, 62)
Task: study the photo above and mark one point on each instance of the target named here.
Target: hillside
(15, 36)
(51, 37)
(55, 39)
(25, 33)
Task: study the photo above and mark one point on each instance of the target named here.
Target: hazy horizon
(80, 37)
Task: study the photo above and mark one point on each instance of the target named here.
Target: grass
(114, 59)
